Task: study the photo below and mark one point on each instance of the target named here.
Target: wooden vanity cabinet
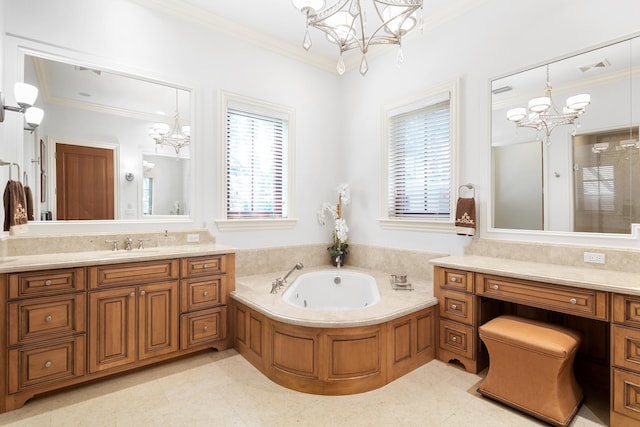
(625, 361)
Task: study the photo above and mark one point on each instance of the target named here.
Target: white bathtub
(318, 290)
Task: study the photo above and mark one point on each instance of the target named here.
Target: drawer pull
(454, 339)
(454, 279)
(48, 282)
(143, 293)
(132, 294)
(205, 293)
(48, 364)
(453, 306)
(573, 301)
(495, 287)
(206, 328)
(48, 318)
(205, 265)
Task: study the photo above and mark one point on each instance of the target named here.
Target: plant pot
(337, 256)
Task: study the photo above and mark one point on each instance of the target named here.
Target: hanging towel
(15, 208)
(29, 196)
(466, 216)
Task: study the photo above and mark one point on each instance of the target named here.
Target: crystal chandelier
(345, 24)
(545, 117)
(176, 137)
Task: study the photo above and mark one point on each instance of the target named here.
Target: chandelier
(176, 137)
(345, 24)
(545, 117)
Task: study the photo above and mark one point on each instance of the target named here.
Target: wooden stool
(531, 367)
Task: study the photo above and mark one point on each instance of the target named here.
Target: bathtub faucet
(280, 281)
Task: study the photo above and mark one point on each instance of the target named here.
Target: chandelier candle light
(176, 137)
(545, 117)
(345, 24)
(339, 246)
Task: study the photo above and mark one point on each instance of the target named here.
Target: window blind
(256, 165)
(419, 164)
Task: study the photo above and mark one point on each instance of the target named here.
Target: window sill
(443, 226)
(255, 224)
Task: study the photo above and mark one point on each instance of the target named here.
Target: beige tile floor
(223, 389)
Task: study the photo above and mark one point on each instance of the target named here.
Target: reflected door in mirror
(84, 177)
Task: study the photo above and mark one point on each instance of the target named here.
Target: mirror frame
(542, 235)
(16, 48)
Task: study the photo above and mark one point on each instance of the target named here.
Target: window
(598, 188)
(258, 160)
(147, 196)
(420, 142)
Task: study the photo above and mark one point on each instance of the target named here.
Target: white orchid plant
(339, 243)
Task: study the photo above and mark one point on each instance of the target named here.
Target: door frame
(51, 170)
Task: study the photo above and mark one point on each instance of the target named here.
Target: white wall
(338, 119)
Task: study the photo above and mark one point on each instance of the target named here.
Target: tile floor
(223, 389)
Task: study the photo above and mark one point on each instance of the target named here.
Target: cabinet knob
(453, 306)
(205, 293)
(206, 328)
(143, 293)
(496, 287)
(48, 364)
(48, 282)
(132, 294)
(454, 279)
(48, 318)
(573, 301)
(205, 265)
(454, 339)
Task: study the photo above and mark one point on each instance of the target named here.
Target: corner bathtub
(327, 347)
(333, 290)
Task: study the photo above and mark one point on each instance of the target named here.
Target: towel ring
(3, 163)
(468, 187)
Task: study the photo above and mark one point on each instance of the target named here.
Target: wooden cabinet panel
(203, 327)
(295, 350)
(157, 319)
(626, 395)
(457, 338)
(355, 355)
(112, 328)
(626, 347)
(112, 275)
(455, 280)
(202, 266)
(571, 300)
(626, 309)
(48, 282)
(198, 294)
(41, 318)
(53, 361)
(456, 306)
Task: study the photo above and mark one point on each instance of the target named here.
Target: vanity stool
(531, 367)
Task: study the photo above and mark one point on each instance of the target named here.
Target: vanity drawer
(455, 280)
(202, 327)
(626, 394)
(197, 294)
(112, 275)
(457, 338)
(565, 299)
(49, 282)
(35, 366)
(46, 318)
(626, 309)
(202, 266)
(626, 347)
(456, 306)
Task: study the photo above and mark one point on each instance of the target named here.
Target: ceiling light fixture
(26, 96)
(176, 137)
(545, 117)
(345, 24)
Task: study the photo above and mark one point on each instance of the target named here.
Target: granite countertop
(12, 264)
(254, 291)
(579, 277)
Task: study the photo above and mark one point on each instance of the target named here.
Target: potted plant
(339, 245)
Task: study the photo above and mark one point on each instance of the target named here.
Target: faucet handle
(141, 243)
(114, 243)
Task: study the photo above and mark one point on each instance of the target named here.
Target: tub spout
(280, 281)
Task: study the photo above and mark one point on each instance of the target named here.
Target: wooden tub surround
(331, 352)
(69, 322)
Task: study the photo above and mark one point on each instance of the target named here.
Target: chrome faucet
(280, 281)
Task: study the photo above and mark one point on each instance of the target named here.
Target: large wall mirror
(95, 156)
(582, 176)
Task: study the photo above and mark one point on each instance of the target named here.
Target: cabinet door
(112, 328)
(158, 319)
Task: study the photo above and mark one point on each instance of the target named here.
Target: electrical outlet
(191, 238)
(594, 257)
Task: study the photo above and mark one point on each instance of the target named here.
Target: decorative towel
(466, 216)
(15, 208)
(29, 196)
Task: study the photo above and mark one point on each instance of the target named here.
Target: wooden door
(158, 318)
(84, 182)
(112, 328)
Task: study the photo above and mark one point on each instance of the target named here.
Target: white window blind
(598, 188)
(257, 171)
(419, 162)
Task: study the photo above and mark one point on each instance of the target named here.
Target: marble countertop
(579, 277)
(255, 292)
(12, 264)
